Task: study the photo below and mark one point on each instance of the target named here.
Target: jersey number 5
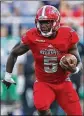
(50, 64)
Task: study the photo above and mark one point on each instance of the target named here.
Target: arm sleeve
(74, 38)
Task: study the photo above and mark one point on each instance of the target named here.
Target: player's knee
(41, 106)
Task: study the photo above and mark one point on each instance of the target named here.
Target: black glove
(8, 82)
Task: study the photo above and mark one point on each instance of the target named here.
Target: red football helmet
(48, 13)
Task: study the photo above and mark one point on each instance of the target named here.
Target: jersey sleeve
(25, 39)
(73, 38)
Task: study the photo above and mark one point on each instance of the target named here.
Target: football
(69, 59)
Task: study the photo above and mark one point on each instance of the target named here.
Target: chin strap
(47, 34)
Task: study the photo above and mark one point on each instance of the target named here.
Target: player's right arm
(17, 50)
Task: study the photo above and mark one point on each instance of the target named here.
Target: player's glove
(8, 80)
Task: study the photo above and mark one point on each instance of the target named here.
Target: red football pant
(64, 94)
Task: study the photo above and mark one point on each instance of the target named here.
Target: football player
(49, 42)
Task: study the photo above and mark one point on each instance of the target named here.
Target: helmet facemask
(46, 27)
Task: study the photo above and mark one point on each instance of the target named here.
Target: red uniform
(51, 78)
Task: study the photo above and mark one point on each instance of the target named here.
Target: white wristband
(7, 76)
(77, 70)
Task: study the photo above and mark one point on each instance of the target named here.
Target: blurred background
(16, 18)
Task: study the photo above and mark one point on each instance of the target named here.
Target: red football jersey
(47, 53)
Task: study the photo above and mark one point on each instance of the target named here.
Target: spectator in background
(78, 10)
(53, 3)
(65, 9)
(6, 9)
(26, 8)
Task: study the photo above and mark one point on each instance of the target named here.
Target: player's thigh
(69, 100)
(43, 96)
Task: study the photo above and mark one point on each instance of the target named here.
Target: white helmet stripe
(43, 10)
